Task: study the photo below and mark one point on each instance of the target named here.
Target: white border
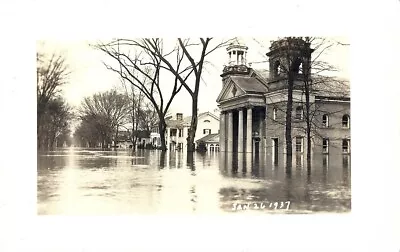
(374, 222)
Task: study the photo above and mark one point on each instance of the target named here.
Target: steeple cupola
(289, 55)
(237, 59)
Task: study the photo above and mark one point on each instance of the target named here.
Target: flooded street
(94, 182)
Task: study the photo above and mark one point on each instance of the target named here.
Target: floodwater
(76, 181)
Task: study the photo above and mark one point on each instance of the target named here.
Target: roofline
(332, 98)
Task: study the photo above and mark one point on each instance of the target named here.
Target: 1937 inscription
(274, 205)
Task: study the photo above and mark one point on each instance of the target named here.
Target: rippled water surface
(95, 182)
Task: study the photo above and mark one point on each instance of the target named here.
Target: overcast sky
(89, 75)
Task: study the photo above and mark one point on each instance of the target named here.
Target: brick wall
(335, 132)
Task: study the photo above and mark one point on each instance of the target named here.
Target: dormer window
(179, 116)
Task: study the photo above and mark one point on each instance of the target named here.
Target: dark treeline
(53, 113)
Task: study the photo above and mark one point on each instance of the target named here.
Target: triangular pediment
(230, 90)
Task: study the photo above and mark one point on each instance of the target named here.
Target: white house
(178, 126)
(211, 142)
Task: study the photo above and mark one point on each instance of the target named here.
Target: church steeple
(237, 59)
(289, 54)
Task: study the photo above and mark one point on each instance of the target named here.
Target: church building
(253, 103)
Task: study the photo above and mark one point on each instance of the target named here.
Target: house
(143, 139)
(253, 103)
(178, 128)
(210, 143)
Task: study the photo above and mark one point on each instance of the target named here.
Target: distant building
(210, 142)
(253, 104)
(178, 128)
(124, 139)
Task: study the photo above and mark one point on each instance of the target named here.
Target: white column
(185, 135)
(230, 132)
(222, 138)
(240, 131)
(168, 138)
(249, 136)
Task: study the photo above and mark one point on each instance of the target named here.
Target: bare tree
(195, 66)
(108, 111)
(52, 73)
(313, 78)
(144, 73)
(308, 66)
(55, 121)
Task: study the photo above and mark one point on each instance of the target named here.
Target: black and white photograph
(239, 125)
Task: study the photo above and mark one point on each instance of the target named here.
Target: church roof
(326, 86)
(262, 73)
(331, 87)
(249, 84)
(257, 82)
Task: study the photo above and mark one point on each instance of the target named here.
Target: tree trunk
(161, 128)
(308, 122)
(308, 129)
(288, 129)
(116, 138)
(193, 127)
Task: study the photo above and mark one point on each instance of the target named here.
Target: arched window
(274, 112)
(325, 121)
(346, 121)
(277, 68)
(325, 145)
(346, 146)
(217, 147)
(297, 66)
(206, 121)
(211, 147)
(299, 113)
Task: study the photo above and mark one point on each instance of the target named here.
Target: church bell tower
(237, 60)
(289, 55)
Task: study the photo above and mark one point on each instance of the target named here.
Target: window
(297, 66)
(325, 121)
(346, 121)
(277, 68)
(274, 112)
(206, 121)
(179, 116)
(216, 147)
(325, 145)
(211, 147)
(346, 146)
(180, 133)
(299, 144)
(299, 113)
(206, 131)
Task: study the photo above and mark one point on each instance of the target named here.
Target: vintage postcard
(237, 125)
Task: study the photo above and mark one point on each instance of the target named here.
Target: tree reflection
(190, 161)
(162, 159)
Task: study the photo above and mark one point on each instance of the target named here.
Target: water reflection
(79, 181)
